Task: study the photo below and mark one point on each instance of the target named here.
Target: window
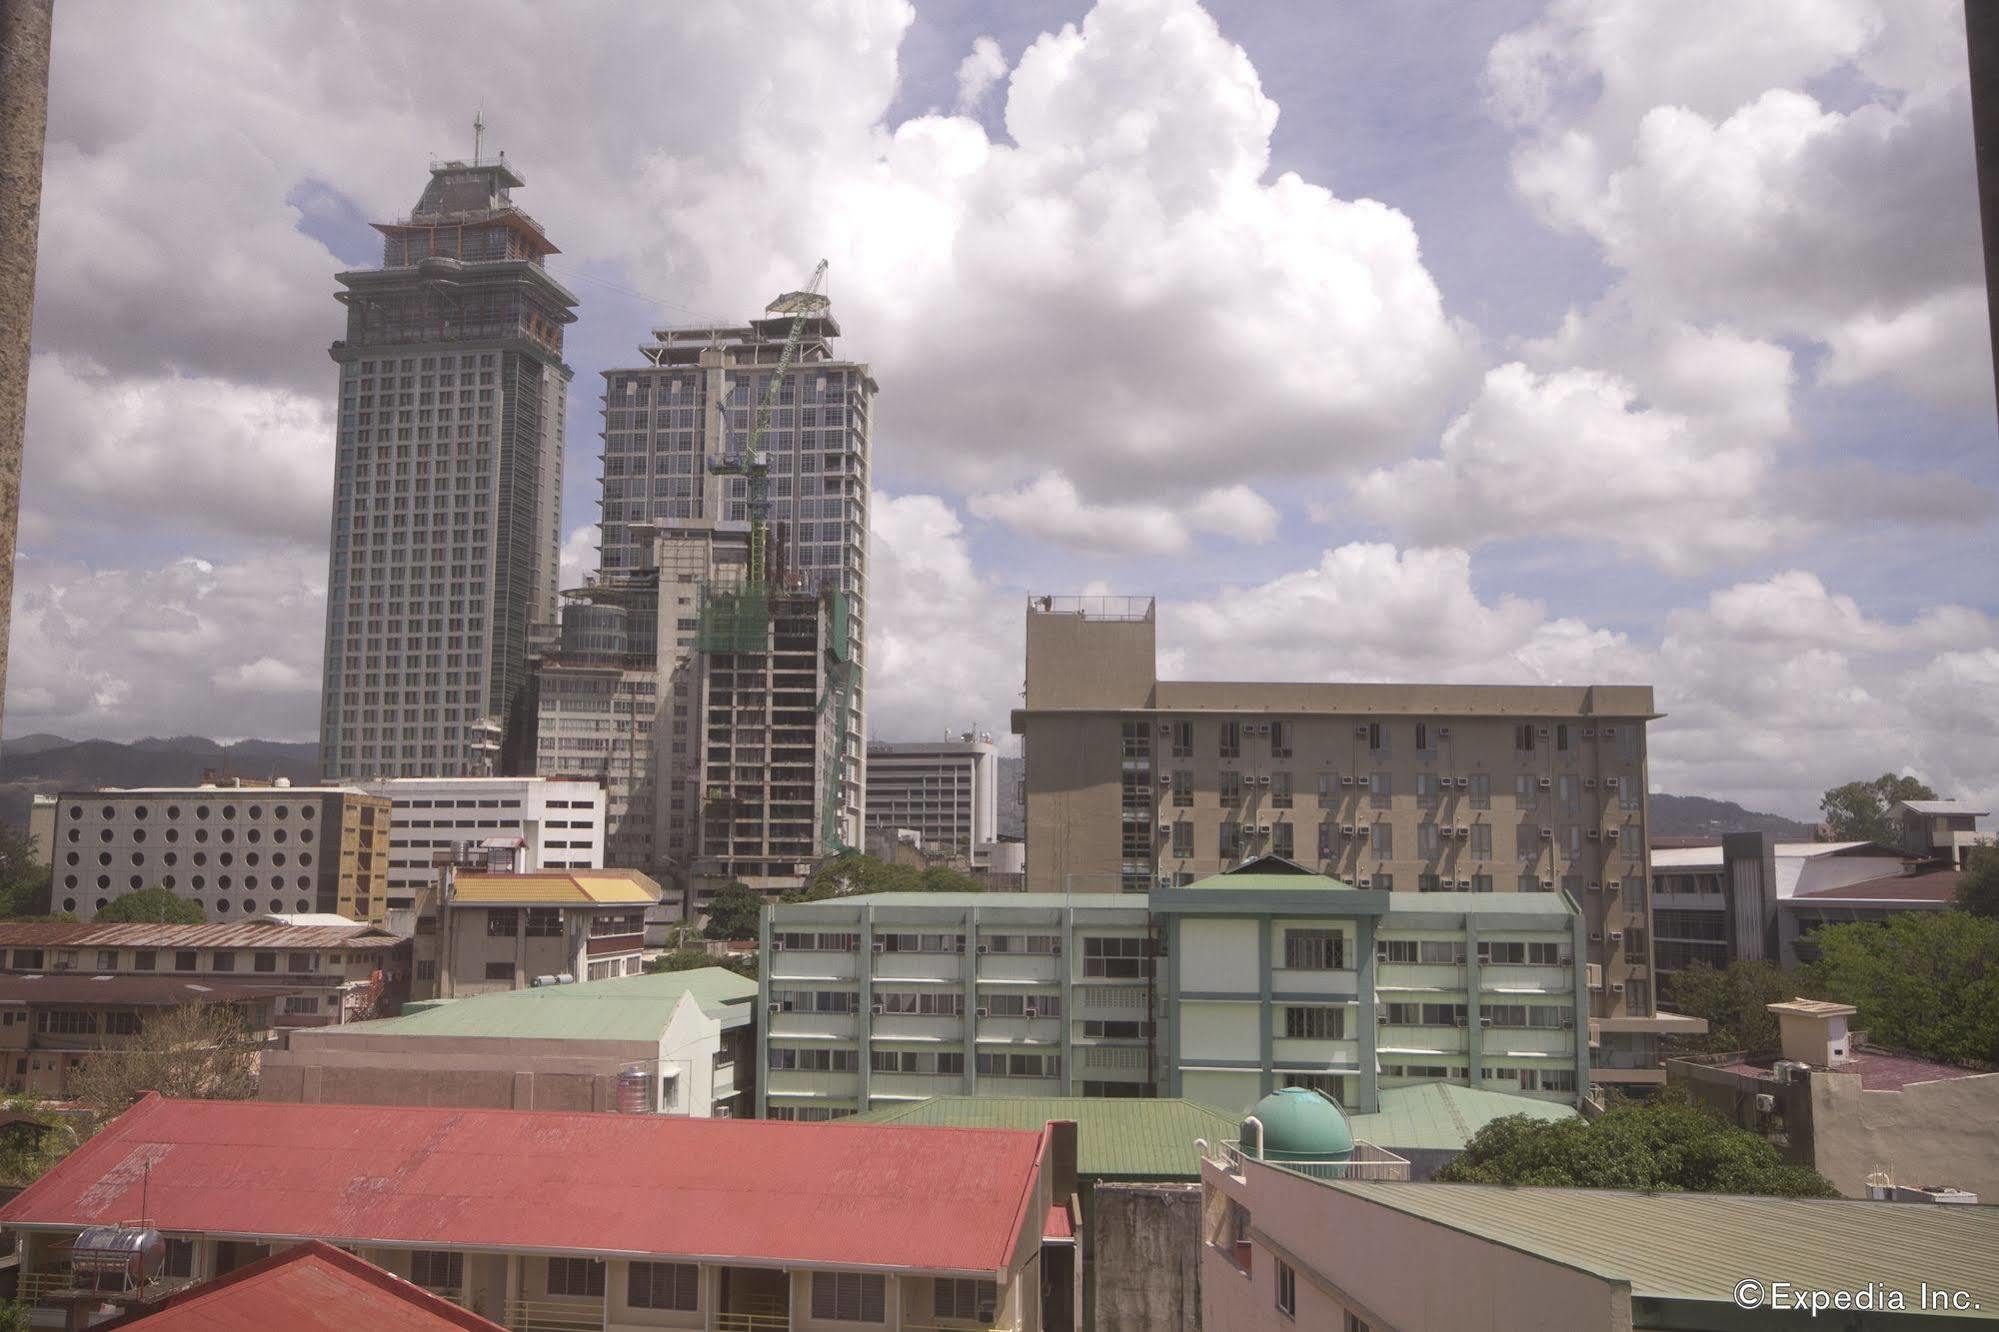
(1380, 790)
(433, 1269)
(1230, 841)
(663, 1285)
(965, 1298)
(1182, 739)
(426, 970)
(998, 1065)
(1231, 790)
(1231, 740)
(1481, 839)
(1426, 790)
(1116, 959)
(1568, 793)
(1561, 735)
(1329, 795)
(1280, 790)
(264, 962)
(1183, 839)
(1377, 737)
(1426, 738)
(107, 959)
(544, 923)
(1426, 840)
(1355, 1323)
(301, 1003)
(1481, 790)
(1281, 842)
(849, 1297)
(66, 1023)
(1634, 945)
(1523, 788)
(1114, 1031)
(120, 1024)
(1183, 789)
(923, 1003)
(302, 962)
(1287, 1288)
(1481, 883)
(810, 1060)
(1314, 950)
(502, 922)
(1280, 739)
(1383, 835)
(1637, 1001)
(500, 971)
(575, 1276)
(1506, 953)
(143, 960)
(1523, 737)
(1429, 883)
(184, 960)
(1315, 1024)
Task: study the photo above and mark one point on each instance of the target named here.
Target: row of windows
(142, 812)
(1378, 737)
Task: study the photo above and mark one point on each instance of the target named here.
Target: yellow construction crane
(753, 463)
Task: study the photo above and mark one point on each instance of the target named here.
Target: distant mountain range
(1698, 816)
(45, 764)
(49, 763)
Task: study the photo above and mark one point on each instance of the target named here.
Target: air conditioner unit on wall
(1616, 887)
(1594, 834)
(980, 1012)
(1589, 783)
(1589, 732)
(1547, 834)
(1596, 887)
(1347, 780)
(1617, 987)
(1360, 728)
(1612, 782)
(1544, 783)
(1610, 732)
(1596, 936)
(876, 1010)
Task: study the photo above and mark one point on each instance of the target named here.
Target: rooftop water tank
(116, 1258)
(1300, 1125)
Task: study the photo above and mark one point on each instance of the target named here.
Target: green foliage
(734, 911)
(1667, 1148)
(853, 872)
(32, 1141)
(680, 959)
(1978, 890)
(1733, 1002)
(194, 1052)
(14, 1317)
(1923, 981)
(1858, 811)
(152, 906)
(24, 879)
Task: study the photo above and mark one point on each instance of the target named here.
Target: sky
(1565, 342)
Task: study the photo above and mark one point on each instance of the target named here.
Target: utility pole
(24, 123)
(1981, 34)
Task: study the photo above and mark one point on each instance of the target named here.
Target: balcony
(1506, 978)
(1420, 1040)
(1427, 976)
(1341, 983)
(555, 1315)
(1367, 1162)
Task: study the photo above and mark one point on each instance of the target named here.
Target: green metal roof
(630, 1008)
(1697, 1246)
(1116, 1138)
(1443, 1116)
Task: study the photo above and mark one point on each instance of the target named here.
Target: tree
(680, 959)
(1978, 890)
(31, 1140)
(1858, 811)
(24, 879)
(1671, 1148)
(942, 879)
(1733, 1001)
(203, 1052)
(1923, 981)
(734, 911)
(151, 906)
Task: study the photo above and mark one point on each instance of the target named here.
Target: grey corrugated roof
(1697, 1246)
(1944, 807)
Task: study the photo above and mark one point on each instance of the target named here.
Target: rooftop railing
(1126, 609)
(1367, 1161)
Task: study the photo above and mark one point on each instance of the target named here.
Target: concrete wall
(1076, 662)
(1926, 1133)
(488, 1072)
(1074, 803)
(1144, 1262)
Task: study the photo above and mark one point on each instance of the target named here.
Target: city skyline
(1573, 442)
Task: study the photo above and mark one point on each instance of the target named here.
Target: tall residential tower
(448, 489)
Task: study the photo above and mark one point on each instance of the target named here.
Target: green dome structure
(1301, 1125)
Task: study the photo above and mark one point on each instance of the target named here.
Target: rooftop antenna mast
(478, 133)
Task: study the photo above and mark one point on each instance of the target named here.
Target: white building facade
(560, 824)
(946, 790)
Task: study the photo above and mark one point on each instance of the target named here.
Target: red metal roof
(1058, 1225)
(66, 934)
(151, 991)
(835, 1195)
(310, 1287)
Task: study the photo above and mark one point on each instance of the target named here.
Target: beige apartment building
(1135, 783)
